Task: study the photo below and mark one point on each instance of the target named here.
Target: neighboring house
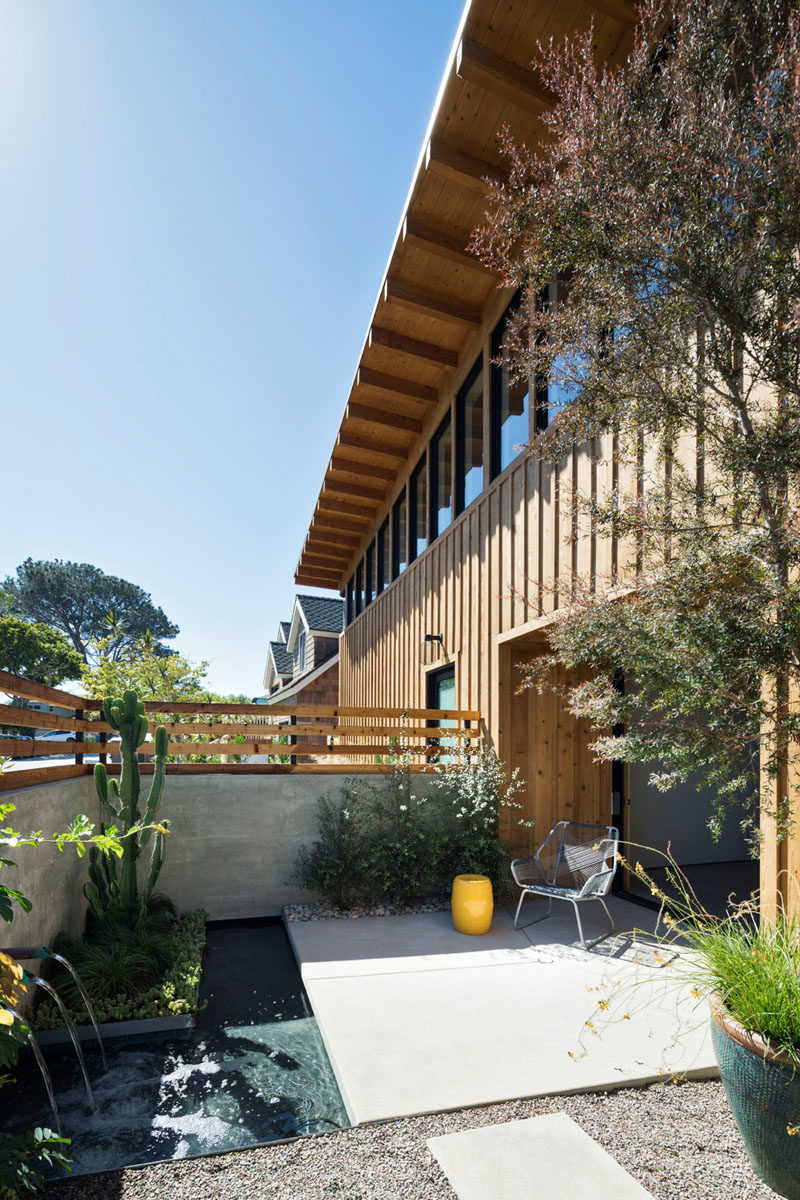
(454, 549)
(303, 663)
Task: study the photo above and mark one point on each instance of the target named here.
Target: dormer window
(301, 650)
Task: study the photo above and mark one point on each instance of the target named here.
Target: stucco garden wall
(233, 844)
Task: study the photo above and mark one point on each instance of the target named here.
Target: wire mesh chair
(574, 862)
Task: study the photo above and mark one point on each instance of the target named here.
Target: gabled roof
(279, 664)
(434, 292)
(323, 614)
(283, 631)
(281, 658)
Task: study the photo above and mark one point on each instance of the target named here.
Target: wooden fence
(328, 738)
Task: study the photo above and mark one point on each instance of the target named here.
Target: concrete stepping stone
(540, 1156)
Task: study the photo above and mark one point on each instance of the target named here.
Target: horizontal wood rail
(344, 738)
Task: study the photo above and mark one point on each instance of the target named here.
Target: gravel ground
(679, 1141)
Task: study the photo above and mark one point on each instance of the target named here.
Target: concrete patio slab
(418, 1018)
(549, 1155)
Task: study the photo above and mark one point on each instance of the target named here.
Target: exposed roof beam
(333, 562)
(357, 489)
(333, 523)
(506, 79)
(396, 385)
(360, 441)
(451, 164)
(618, 10)
(311, 577)
(427, 351)
(326, 540)
(420, 234)
(379, 416)
(332, 504)
(357, 467)
(431, 304)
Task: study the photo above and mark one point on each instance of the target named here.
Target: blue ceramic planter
(764, 1095)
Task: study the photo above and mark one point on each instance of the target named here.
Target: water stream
(254, 1070)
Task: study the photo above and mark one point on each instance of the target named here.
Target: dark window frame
(397, 569)
(369, 574)
(420, 472)
(359, 588)
(459, 448)
(383, 557)
(349, 602)
(495, 381)
(433, 479)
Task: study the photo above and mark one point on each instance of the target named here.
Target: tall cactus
(109, 887)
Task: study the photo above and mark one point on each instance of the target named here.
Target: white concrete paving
(418, 1018)
(548, 1156)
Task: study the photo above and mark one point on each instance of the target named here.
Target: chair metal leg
(535, 919)
(603, 936)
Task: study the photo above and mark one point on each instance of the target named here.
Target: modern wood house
(452, 546)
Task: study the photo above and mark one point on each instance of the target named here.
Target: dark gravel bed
(678, 1140)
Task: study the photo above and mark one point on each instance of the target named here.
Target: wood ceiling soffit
(617, 10)
(328, 572)
(345, 487)
(403, 344)
(379, 416)
(335, 523)
(357, 466)
(423, 236)
(432, 304)
(367, 377)
(476, 64)
(337, 562)
(365, 509)
(461, 168)
(358, 441)
(335, 546)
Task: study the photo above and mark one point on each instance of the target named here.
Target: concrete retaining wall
(52, 880)
(232, 848)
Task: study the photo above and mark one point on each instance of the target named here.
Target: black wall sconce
(431, 648)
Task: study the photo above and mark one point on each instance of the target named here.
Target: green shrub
(394, 844)
(170, 989)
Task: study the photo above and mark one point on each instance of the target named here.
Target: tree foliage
(37, 651)
(86, 604)
(666, 199)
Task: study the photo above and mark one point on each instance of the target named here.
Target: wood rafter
(337, 562)
(358, 441)
(506, 79)
(395, 385)
(618, 10)
(432, 304)
(333, 504)
(357, 489)
(328, 523)
(357, 467)
(427, 351)
(461, 168)
(442, 242)
(379, 416)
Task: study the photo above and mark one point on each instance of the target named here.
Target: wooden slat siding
(19, 748)
(16, 685)
(29, 718)
(603, 488)
(16, 780)
(317, 749)
(584, 556)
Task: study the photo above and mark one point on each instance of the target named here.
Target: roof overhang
(434, 291)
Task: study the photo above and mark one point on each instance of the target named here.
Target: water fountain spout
(71, 1030)
(37, 1054)
(59, 958)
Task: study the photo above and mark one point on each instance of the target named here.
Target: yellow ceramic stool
(472, 904)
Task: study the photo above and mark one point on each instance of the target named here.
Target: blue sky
(198, 201)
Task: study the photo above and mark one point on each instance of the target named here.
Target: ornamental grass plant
(751, 966)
